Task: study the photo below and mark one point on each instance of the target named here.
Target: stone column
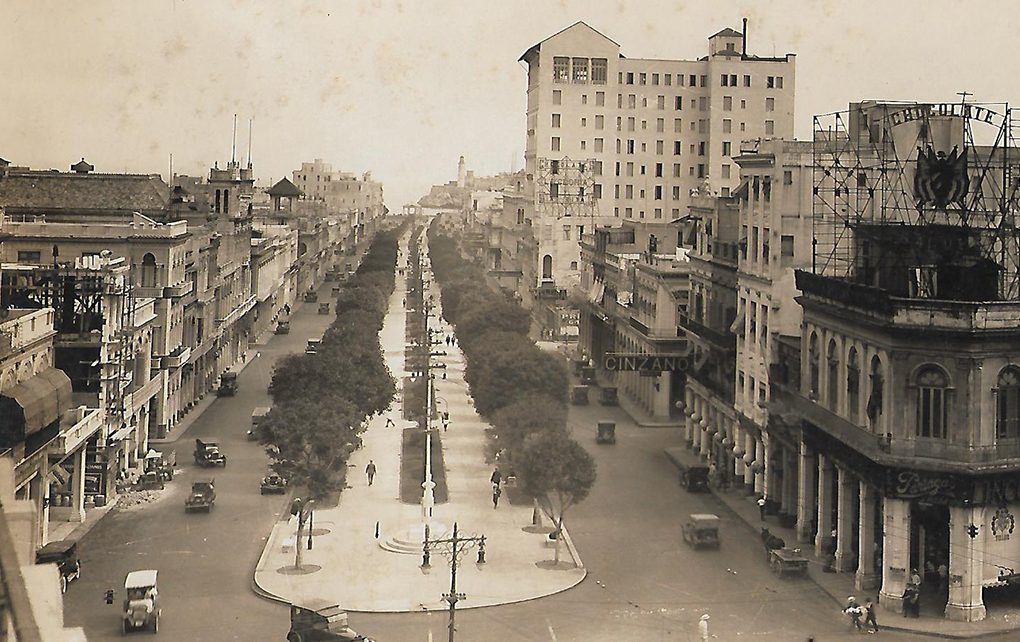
(895, 552)
(706, 440)
(824, 496)
(966, 563)
(846, 509)
(738, 463)
(77, 512)
(866, 578)
(761, 452)
(688, 422)
(806, 493)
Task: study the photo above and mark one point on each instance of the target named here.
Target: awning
(34, 403)
(737, 327)
(598, 288)
(121, 434)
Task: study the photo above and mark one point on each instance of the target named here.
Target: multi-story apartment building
(343, 192)
(611, 138)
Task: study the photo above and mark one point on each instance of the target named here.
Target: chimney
(743, 46)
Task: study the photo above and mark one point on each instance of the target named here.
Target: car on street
(257, 417)
(228, 385)
(207, 453)
(273, 483)
(202, 497)
(312, 346)
(141, 601)
(314, 620)
(702, 529)
(282, 327)
(63, 553)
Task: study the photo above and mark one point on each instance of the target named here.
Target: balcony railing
(725, 340)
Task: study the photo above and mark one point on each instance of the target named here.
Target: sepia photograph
(518, 320)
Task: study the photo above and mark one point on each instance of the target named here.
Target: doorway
(929, 552)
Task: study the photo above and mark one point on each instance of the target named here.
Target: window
(658, 170)
(704, 80)
(726, 148)
(832, 396)
(770, 104)
(727, 103)
(644, 125)
(547, 267)
(677, 125)
(668, 78)
(597, 190)
(742, 126)
(703, 103)
(557, 97)
(655, 79)
(628, 191)
(630, 78)
(660, 125)
(580, 68)
(676, 147)
(725, 171)
(616, 191)
(600, 121)
(1007, 403)
(554, 167)
(676, 170)
(679, 103)
(599, 144)
(630, 146)
(596, 168)
(727, 126)
(618, 143)
(701, 148)
(554, 190)
(932, 402)
(584, 145)
(599, 73)
(29, 256)
(148, 270)
(724, 80)
(779, 82)
(786, 244)
(692, 80)
(853, 386)
(676, 192)
(628, 212)
(630, 124)
(555, 120)
(566, 232)
(561, 69)
(619, 101)
(733, 77)
(631, 101)
(874, 407)
(584, 122)
(555, 143)
(658, 192)
(788, 177)
(813, 359)
(770, 127)
(642, 78)
(766, 189)
(701, 170)
(747, 80)
(600, 98)
(584, 99)
(770, 82)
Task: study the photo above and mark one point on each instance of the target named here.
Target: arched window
(832, 356)
(813, 358)
(148, 270)
(217, 208)
(1007, 406)
(853, 386)
(226, 201)
(547, 266)
(932, 402)
(874, 409)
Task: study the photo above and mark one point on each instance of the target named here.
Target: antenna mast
(233, 140)
(249, 142)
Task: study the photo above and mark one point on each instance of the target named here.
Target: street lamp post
(428, 499)
(452, 548)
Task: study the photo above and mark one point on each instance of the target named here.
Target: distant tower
(461, 173)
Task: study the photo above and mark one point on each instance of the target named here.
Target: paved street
(205, 561)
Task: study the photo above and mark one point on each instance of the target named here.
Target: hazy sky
(404, 88)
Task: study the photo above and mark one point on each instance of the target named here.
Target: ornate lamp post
(453, 548)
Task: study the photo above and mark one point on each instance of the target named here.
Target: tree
(516, 421)
(505, 377)
(558, 472)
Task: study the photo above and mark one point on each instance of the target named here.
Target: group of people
(912, 595)
(858, 612)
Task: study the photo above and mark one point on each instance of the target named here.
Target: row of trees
(321, 401)
(518, 388)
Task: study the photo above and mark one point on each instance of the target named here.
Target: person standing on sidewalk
(496, 492)
(370, 471)
(703, 628)
(869, 615)
(761, 507)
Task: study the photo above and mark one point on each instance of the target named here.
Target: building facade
(611, 138)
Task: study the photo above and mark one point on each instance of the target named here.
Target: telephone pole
(453, 548)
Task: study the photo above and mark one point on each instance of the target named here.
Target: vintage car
(228, 384)
(63, 553)
(324, 307)
(273, 483)
(282, 327)
(150, 481)
(579, 395)
(588, 376)
(208, 453)
(312, 346)
(694, 477)
(311, 296)
(257, 416)
(314, 620)
(163, 465)
(702, 529)
(605, 432)
(202, 497)
(141, 602)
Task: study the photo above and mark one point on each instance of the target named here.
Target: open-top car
(141, 601)
(273, 483)
(63, 553)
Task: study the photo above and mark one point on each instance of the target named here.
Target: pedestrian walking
(496, 492)
(370, 471)
(853, 610)
(761, 507)
(496, 477)
(390, 422)
(869, 615)
(703, 627)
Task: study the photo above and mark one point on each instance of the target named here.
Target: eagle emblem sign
(940, 179)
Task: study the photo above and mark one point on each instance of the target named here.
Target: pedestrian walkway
(839, 586)
(348, 564)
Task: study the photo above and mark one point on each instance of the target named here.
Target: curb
(256, 589)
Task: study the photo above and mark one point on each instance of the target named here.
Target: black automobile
(63, 553)
(317, 620)
(273, 483)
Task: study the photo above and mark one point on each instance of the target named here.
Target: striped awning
(34, 404)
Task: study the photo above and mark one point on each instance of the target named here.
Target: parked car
(141, 601)
(314, 620)
(150, 481)
(312, 346)
(324, 307)
(202, 497)
(257, 416)
(311, 296)
(228, 384)
(273, 483)
(63, 553)
(163, 465)
(283, 327)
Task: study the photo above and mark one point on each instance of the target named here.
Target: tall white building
(611, 138)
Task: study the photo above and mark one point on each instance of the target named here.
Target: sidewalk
(841, 585)
(348, 564)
